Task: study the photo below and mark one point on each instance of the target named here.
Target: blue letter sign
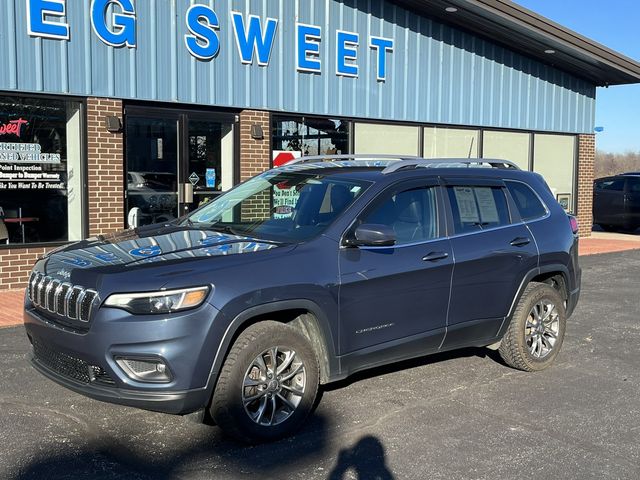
(308, 45)
(202, 42)
(254, 40)
(37, 26)
(382, 45)
(347, 53)
(124, 24)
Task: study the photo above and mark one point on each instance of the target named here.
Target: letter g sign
(120, 31)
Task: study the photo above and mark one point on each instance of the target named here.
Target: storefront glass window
(554, 158)
(387, 139)
(451, 143)
(311, 135)
(40, 170)
(513, 146)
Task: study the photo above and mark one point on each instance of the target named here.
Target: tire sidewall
(541, 292)
(281, 336)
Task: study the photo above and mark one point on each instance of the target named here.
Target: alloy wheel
(542, 329)
(273, 386)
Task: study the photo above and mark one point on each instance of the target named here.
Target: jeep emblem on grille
(64, 274)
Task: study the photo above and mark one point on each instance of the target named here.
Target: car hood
(148, 246)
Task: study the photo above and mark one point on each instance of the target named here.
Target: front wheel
(536, 332)
(268, 384)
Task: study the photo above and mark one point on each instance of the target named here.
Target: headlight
(168, 301)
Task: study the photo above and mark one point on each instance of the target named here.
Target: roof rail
(347, 157)
(407, 161)
(449, 163)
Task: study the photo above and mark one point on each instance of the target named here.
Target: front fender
(330, 364)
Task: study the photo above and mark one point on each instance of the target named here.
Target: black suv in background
(616, 202)
(302, 276)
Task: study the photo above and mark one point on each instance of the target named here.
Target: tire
(520, 348)
(259, 421)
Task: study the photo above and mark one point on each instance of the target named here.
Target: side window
(413, 215)
(528, 203)
(478, 208)
(634, 185)
(612, 185)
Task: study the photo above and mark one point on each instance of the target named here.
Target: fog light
(145, 370)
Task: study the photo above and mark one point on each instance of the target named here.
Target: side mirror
(373, 235)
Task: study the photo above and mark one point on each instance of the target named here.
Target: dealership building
(114, 110)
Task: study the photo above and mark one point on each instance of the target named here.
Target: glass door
(152, 169)
(209, 166)
(176, 161)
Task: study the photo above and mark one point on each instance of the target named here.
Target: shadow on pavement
(211, 455)
(366, 459)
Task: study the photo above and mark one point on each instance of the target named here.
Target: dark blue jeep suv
(302, 276)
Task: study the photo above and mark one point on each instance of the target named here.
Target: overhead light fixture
(451, 9)
(549, 51)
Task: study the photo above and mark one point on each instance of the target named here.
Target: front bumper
(176, 403)
(186, 343)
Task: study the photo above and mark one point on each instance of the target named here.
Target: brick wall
(586, 162)
(15, 265)
(255, 155)
(105, 168)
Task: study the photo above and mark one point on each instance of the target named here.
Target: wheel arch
(304, 315)
(556, 275)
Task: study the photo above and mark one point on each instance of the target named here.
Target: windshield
(279, 206)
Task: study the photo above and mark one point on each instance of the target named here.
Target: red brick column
(255, 155)
(586, 163)
(105, 167)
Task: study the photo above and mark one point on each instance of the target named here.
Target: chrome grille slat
(51, 295)
(64, 300)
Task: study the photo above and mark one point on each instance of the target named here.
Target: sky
(615, 24)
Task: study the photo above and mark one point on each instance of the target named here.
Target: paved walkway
(11, 308)
(600, 242)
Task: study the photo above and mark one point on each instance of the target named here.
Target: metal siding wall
(436, 74)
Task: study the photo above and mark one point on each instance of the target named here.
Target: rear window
(478, 208)
(526, 200)
(616, 185)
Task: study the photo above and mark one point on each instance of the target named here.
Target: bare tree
(614, 163)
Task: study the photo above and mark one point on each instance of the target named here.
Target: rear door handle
(520, 242)
(435, 256)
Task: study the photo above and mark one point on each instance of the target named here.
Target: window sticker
(487, 205)
(467, 205)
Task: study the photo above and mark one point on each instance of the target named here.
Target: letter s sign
(123, 25)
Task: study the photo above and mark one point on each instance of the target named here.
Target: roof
(526, 32)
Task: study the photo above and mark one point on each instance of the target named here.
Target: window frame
(84, 168)
(385, 194)
(450, 182)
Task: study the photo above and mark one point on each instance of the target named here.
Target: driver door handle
(435, 256)
(520, 242)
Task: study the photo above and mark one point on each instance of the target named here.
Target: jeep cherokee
(302, 276)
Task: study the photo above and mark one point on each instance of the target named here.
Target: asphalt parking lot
(453, 416)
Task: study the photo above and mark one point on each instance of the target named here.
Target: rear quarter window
(528, 203)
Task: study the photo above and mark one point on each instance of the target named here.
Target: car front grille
(69, 366)
(62, 299)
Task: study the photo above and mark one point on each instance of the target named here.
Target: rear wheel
(268, 384)
(536, 332)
